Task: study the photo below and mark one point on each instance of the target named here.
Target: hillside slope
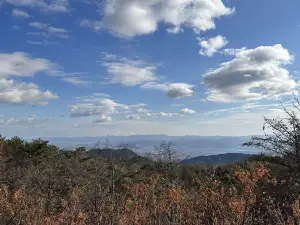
(220, 159)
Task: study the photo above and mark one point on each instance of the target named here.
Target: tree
(19, 152)
(282, 139)
(282, 136)
(166, 157)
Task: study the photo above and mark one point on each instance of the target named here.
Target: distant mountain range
(221, 159)
(190, 146)
(127, 154)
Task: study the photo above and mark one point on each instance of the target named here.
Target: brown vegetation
(56, 187)
(41, 185)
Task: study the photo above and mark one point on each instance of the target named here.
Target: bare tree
(166, 156)
(282, 136)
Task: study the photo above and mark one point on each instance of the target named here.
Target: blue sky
(122, 67)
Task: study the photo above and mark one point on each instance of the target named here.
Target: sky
(71, 68)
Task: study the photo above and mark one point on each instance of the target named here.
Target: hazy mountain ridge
(127, 154)
(191, 146)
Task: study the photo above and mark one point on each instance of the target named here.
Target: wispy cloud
(75, 81)
(49, 31)
(55, 6)
(18, 13)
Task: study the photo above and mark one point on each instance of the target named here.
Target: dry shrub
(153, 202)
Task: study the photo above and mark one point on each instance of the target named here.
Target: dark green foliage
(19, 152)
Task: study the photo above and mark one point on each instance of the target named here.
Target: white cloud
(95, 25)
(102, 95)
(106, 108)
(49, 31)
(210, 46)
(103, 119)
(22, 64)
(24, 121)
(253, 74)
(178, 90)
(137, 72)
(39, 25)
(148, 113)
(173, 90)
(20, 93)
(103, 107)
(174, 30)
(178, 126)
(233, 51)
(128, 72)
(54, 6)
(19, 13)
(160, 114)
(42, 42)
(75, 81)
(131, 18)
(16, 27)
(187, 111)
(164, 114)
(55, 30)
(95, 97)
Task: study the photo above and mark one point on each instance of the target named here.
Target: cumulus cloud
(173, 90)
(128, 72)
(210, 46)
(137, 72)
(187, 111)
(19, 13)
(253, 74)
(23, 65)
(55, 6)
(49, 31)
(131, 18)
(103, 107)
(20, 93)
(106, 108)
